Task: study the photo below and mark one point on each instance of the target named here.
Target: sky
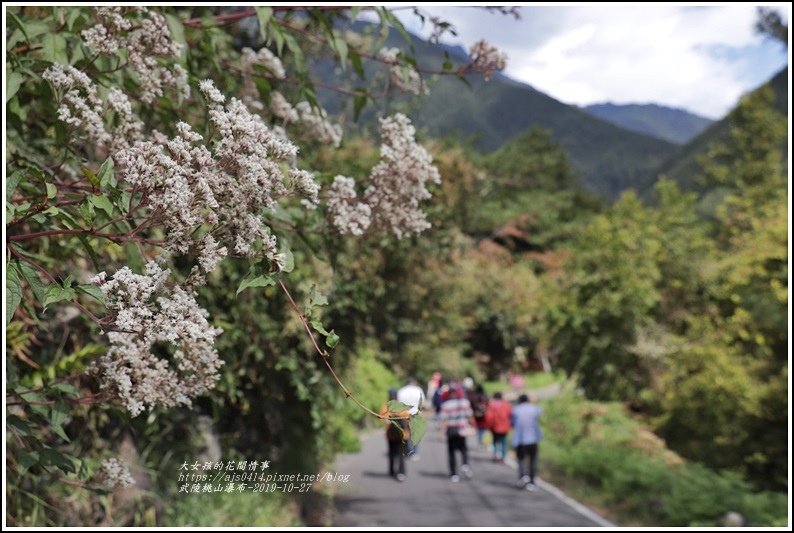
(700, 58)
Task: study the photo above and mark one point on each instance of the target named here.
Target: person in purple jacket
(526, 436)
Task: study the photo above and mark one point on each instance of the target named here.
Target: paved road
(427, 498)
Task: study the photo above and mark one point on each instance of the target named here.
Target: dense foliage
(345, 281)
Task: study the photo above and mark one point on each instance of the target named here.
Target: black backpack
(480, 406)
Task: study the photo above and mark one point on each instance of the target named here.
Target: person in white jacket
(413, 395)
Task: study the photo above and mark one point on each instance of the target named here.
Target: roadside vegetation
(144, 334)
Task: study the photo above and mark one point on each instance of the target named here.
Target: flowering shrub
(125, 145)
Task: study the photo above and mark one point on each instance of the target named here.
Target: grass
(605, 458)
(532, 380)
(235, 509)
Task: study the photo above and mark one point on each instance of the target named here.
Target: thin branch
(324, 354)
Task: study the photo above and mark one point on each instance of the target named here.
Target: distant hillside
(608, 159)
(674, 125)
(682, 166)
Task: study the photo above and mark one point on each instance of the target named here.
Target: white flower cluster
(317, 122)
(396, 186)
(144, 42)
(281, 108)
(405, 78)
(80, 107)
(223, 191)
(348, 216)
(486, 58)
(263, 57)
(156, 317)
(114, 473)
(314, 121)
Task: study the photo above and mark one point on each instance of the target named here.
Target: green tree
(607, 295)
(734, 356)
(770, 24)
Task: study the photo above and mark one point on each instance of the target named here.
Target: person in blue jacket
(526, 436)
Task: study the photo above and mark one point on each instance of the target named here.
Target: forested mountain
(674, 125)
(489, 114)
(683, 167)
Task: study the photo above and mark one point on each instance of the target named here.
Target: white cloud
(697, 58)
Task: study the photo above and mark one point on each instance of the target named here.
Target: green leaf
(19, 424)
(87, 211)
(389, 18)
(397, 406)
(67, 389)
(91, 253)
(278, 38)
(56, 293)
(316, 298)
(103, 203)
(418, 427)
(58, 415)
(359, 103)
(358, 65)
(125, 202)
(67, 219)
(25, 460)
(106, 173)
(83, 472)
(297, 52)
(33, 280)
(318, 326)
(52, 190)
(90, 175)
(13, 293)
(11, 378)
(71, 17)
(12, 182)
(134, 257)
(50, 457)
(256, 278)
(341, 50)
(53, 47)
(92, 290)
(264, 14)
(13, 83)
(332, 339)
(177, 30)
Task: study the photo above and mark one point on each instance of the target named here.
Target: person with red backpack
(497, 419)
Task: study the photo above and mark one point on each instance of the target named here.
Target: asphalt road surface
(427, 497)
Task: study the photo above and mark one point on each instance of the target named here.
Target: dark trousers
(527, 453)
(396, 458)
(456, 443)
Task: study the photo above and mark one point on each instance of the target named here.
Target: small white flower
(115, 474)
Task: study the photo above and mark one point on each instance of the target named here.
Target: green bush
(601, 454)
(370, 380)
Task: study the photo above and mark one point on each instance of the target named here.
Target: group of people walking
(463, 410)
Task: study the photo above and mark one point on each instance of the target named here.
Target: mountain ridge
(609, 158)
(668, 123)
